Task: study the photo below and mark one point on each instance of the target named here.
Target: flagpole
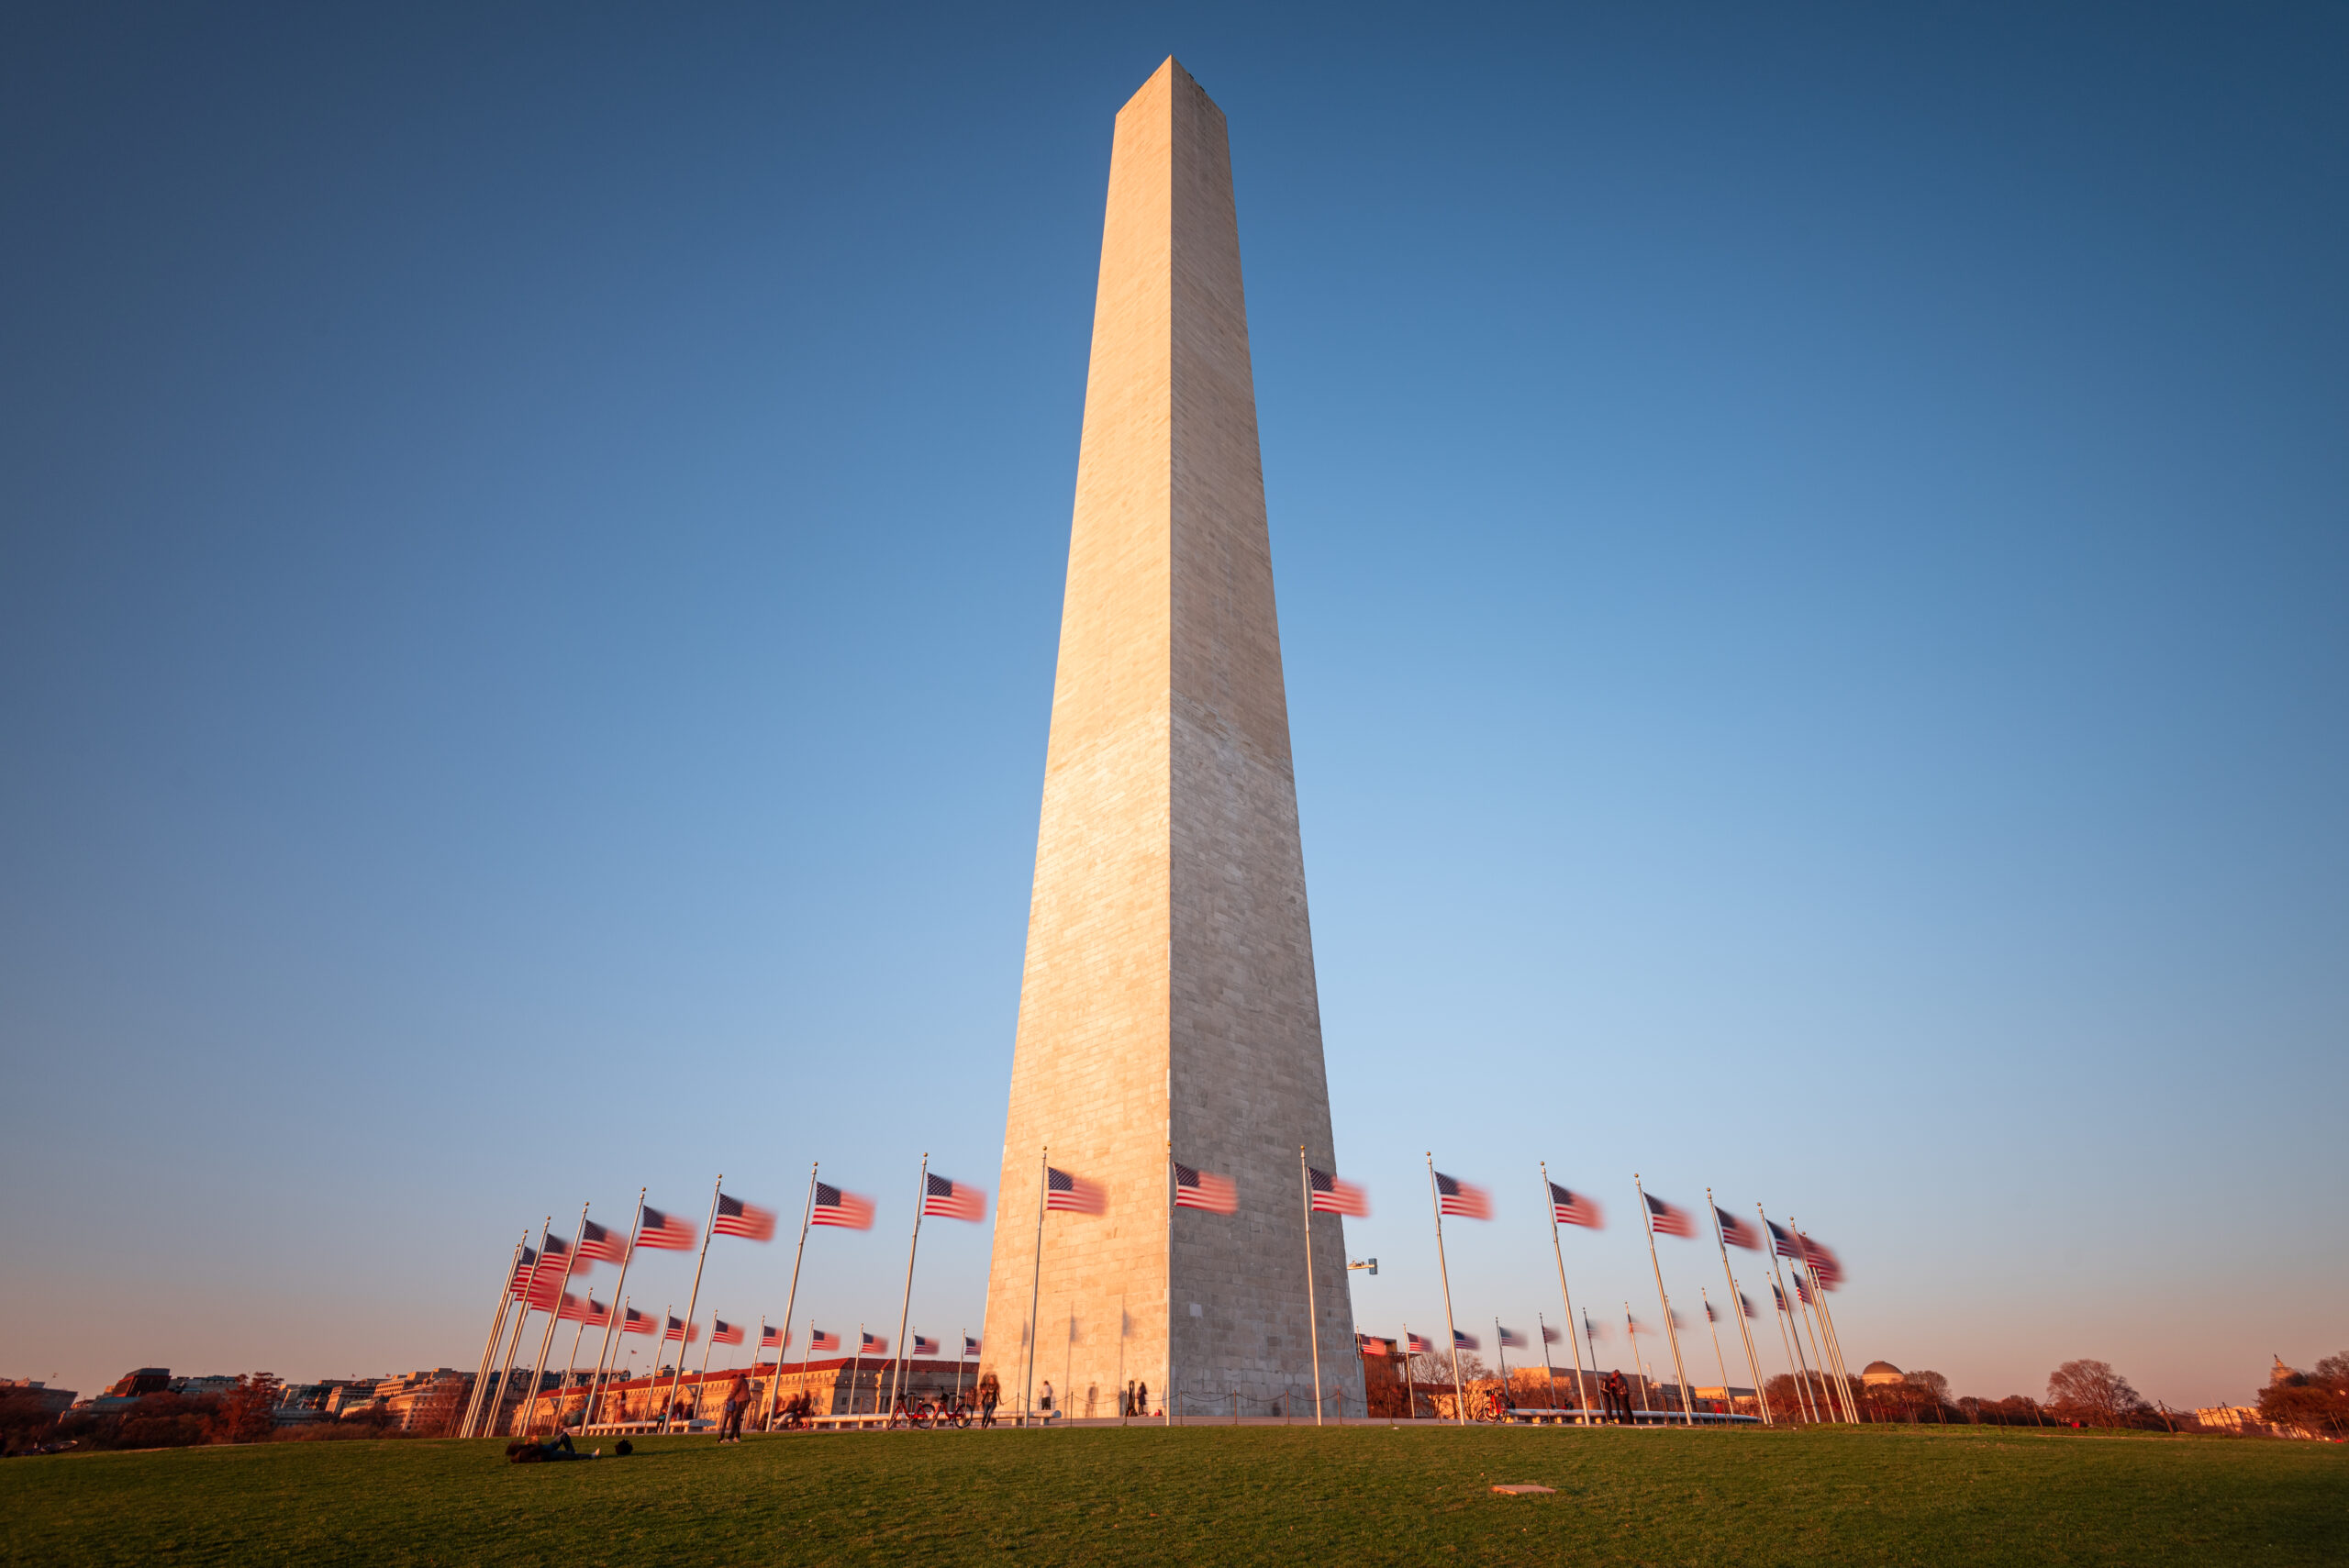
(1500, 1349)
(791, 1302)
(1557, 1251)
(489, 1348)
(571, 1362)
(1632, 1326)
(1838, 1392)
(546, 1340)
(1712, 1326)
(1035, 1284)
(1410, 1388)
(708, 1346)
(1834, 1340)
(1793, 1355)
(692, 1299)
(1166, 1389)
(857, 1371)
(905, 1308)
(1313, 1312)
(521, 1322)
(1797, 1311)
(1541, 1327)
(1444, 1271)
(1786, 1311)
(805, 1357)
(1670, 1330)
(1736, 1304)
(603, 1357)
(1826, 1378)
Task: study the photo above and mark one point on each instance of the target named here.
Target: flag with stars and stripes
(679, 1329)
(1509, 1338)
(639, 1323)
(722, 1332)
(1066, 1194)
(747, 1220)
(666, 1232)
(1453, 1195)
(819, 1339)
(1463, 1341)
(871, 1344)
(771, 1337)
(834, 1207)
(970, 1346)
(1420, 1345)
(1574, 1208)
(1670, 1218)
(1331, 1196)
(1784, 1243)
(601, 1244)
(1738, 1232)
(923, 1347)
(1205, 1190)
(953, 1200)
(1825, 1267)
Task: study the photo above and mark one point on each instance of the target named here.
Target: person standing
(737, 1399)
(990, 1392)
(1045, 1400)
(1141, 1398)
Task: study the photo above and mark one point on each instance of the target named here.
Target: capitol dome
(1880, 1372)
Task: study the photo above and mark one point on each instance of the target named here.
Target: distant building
(144, 1381)
(846, 1387)
(51, 1401)
(200, 1387)
(1881, 1375)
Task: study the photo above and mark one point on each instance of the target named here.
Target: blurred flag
(664, 1232)
(1573, 1208)
(1461, 1341)
(599, 1314)
(834, 1207)
(1204, 1189)
(924, 1347)
(1372, 1345)
(1592, 1331)
(817, 1339)
(771, 1337)
(680, 1329)
(1509, 1338)
(1549, 1334)
(1331, 1196)
(1780, 1296)
(953, 1200)
(1670, 1218)
(1420, 1345)
(1785, 1243)
(1453, 1195)
(604, 1246)
(637, 1323)
(722, 1332)
(1746, 1302)
(970, 1346)
(1802, 1287)
(1710, 1315)
(1738, 1232)
(1679, 1318)
(572, 1309)
(1824, 1265)
(747, 1220)
(541, 1292)
(872, 1345)
(1070, 1194)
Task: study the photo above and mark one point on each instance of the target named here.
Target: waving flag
(1785, 1243)
(773, 1339)
(970, 1346)
(1670, 1218)
(1420, 1345)
(1461, 1341)
(1746, 1302)
(541, 1293)
(1574, 1208)
(572, 1309)
(1509, 1338)
(1372, 1345)
(722, 1332)
(1824, 1265)
(1738, 1232)
(817, 1339)
(924, 1347)
(602, 1245)
(1453, 1195)
(747, 1220)
(1802, 1287)
(599, 1314)
(1549, 1334)
(637, 1323)
(953, 1200)
(872, 1345)
(1710, 1315)
(664, 1232)
(1070, 1194)
(1331, 1196)
(834, 1207)
(1781, 1297)
(1204, 1189)
(680, 1329)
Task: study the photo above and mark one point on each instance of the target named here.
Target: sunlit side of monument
(1168, 995)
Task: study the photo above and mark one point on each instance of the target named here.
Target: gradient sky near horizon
(1813, 558)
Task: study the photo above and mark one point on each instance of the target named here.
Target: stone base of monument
(1526, 1489)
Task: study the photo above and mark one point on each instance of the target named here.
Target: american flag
(1331, 1196)
(1824, 1265)
(1573, 1208)
(1453, 1195)
(1204, 1189)
(540, 1291)
(1738, 1232)
(572, 1309)
(1510, 1337)
(1372, 1345)
(1420, 1345)
(1710, 1315)
(1549, 1334)
(1785, 1243)
(559, 1252)
(953, 1200)
(722, 1332)
(680, 1329)
(771, 1337)
(637, 1323)
(1802, 1287)
(1670, 1218)
(598, 1315)
(872, 1345)
(1780, 1296)
(747, 1220)
(664, 1232)
(924, 1347)
(1461, 1341)
(834, 1207)
(1070, 1194)
(970, 1346)
(1746, 1303)
(817, 1339)
(604, 1246)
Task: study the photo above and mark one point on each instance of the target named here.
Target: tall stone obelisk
(1168, 995)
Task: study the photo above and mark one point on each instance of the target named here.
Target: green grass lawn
(1273, 1495)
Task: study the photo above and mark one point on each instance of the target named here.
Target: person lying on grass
(524, 1452)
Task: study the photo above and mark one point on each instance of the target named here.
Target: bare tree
(2091, 1391)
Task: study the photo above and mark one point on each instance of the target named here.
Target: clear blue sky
(1812, 557)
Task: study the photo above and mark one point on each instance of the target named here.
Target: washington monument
(1168, 998)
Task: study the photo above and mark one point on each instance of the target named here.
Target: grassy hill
(1270, 1494)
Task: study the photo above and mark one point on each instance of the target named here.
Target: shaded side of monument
(1168, 995)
